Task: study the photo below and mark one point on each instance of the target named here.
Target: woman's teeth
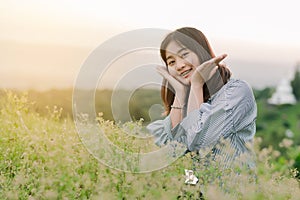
(186, 72)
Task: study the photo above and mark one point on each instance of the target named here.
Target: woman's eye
(184, 54)
(171, 63)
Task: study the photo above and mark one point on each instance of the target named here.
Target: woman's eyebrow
(169, 57)
(183, 49)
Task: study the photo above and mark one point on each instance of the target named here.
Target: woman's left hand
(205, 71)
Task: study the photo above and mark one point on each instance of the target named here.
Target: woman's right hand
(206, 70)
(181, 90)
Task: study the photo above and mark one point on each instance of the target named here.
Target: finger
(163, 72)
(208, 68)
(175, 83)
(210, 64)
(218, 59)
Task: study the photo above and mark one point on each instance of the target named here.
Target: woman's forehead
(174, 48)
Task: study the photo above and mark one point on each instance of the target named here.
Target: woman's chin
(184, 81)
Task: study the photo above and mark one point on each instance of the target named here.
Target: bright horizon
(44, 43)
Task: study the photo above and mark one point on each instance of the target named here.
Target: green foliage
(139, 102)
(295, 83)
(41, 157)
(264, 93)
(273, 122)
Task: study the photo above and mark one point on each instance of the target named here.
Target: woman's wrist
(195, 97)
(178, 107)
(197, 85)
(183, 94)
(179, 102)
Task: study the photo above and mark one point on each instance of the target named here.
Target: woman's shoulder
(238, 83)
(234, 90)
(238, 91)
(238, 86)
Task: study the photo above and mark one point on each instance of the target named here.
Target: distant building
(283, 94)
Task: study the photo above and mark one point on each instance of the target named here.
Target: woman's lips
(186, 73)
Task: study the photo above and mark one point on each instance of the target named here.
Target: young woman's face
(181, 62)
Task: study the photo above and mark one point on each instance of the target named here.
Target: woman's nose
(180, 63)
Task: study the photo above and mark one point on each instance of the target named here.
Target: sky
(43, 44)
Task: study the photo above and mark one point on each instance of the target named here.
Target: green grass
(273, 121)
(42, 157)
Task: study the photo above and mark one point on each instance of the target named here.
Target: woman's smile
(186, 73)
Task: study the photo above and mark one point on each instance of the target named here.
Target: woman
(203, 104)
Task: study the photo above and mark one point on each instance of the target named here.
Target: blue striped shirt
(229, 114)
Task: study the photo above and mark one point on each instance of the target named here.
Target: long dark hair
(196, 41)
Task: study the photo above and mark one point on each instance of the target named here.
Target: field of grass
(42, 157)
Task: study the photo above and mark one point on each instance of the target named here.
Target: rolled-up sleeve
(197, 129)
(161, 129)
(211, 123)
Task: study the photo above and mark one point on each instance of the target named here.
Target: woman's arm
(178, 112)
(202, 73)
(195, 98)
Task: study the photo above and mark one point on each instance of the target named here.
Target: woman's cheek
(173, 72)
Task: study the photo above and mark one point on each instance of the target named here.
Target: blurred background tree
(295, 83)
